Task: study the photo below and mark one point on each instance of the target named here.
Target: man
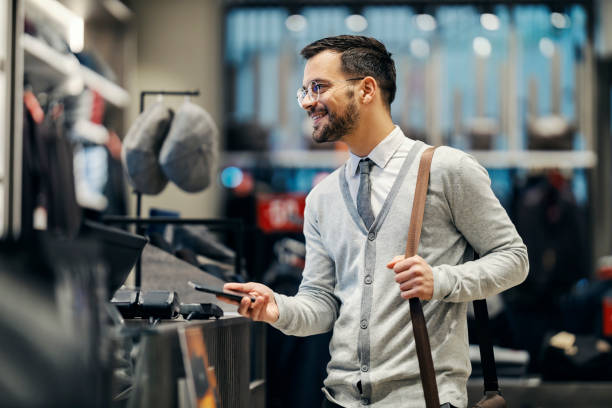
(356, 223)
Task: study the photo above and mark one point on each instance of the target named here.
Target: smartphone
(229, 294)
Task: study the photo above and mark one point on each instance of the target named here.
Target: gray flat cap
(189, 153)
(141, 149)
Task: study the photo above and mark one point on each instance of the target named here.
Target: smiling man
(355, 282)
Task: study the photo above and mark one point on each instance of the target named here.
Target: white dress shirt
(388, 157)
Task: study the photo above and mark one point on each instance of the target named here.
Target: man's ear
(368, 90)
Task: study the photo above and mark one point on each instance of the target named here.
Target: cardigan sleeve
(315, 308)
(480, 218)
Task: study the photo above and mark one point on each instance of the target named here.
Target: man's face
(335, 114)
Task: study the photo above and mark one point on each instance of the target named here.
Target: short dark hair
(360, 56)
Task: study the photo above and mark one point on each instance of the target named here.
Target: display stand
(143, 94)
(236, 225)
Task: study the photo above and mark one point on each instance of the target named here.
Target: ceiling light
(419, 48)
(489, 21)
(356, 23)
(426, 22)
(296, 22)
(482, 47)
(559, 20)
(547, 47)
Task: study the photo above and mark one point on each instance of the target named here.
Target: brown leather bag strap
(418, 205)
(421, 338)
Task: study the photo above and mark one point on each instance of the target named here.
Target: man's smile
(318, 115)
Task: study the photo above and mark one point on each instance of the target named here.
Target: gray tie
(364, 205)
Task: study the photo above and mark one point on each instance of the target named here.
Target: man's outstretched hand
(264, 309)
(414, 276)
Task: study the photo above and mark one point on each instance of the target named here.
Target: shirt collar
(382, 153)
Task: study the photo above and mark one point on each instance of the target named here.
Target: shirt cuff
(283, 313)
(442, 283)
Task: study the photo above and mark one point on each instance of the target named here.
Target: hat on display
(141, 149)
(189, 152)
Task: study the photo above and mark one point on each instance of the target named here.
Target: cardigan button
(364, 368)
(372, 236)
(368, 279)
(364, 324)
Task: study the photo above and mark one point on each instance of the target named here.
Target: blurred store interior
(93, 314)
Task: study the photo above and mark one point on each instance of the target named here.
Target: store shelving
(110, 91)
(491, 159)
(534, 159)
(287, 158)
(46, 63)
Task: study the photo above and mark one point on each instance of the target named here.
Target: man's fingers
(407, 263)
(414, 272)
(255, 308)
(240, 287)
(416, 288)
(412, 283)
(395, 260)
(244, 306)
(259, 308)
(416, 292)
(409, 294)
(256, 312)
(414, 277)
(402, 277)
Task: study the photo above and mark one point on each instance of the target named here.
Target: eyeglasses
(315, 88)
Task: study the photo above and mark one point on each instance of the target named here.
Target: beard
(338, 125)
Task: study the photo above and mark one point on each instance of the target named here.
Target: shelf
(102, 11)
(44, 61)
(53, 67)
(111, 92)
(497, 159)
(288, 158)
(535, 159)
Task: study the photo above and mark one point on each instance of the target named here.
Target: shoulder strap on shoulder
(421, 337)
(418, 206)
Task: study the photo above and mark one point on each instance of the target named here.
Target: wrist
(274, 312)
(275, 317)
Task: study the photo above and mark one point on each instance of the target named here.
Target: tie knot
(365, 165)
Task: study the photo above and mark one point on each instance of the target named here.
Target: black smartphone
(229, 294)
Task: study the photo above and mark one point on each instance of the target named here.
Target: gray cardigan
(347, 287)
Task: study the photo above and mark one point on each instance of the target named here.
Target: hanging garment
(64, 213)
(48, 197)
(189, 153)
(141, 148)
(553, 228)
(34, 165)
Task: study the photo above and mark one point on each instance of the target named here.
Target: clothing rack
(143, 94)
(138, 219)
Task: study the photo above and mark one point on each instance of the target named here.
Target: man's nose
(308, 102)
